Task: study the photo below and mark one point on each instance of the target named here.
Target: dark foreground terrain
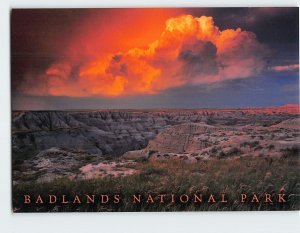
(204, 154)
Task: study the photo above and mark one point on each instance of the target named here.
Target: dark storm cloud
(271, 25)
(278, 27)
(199, 57)
(39, 38)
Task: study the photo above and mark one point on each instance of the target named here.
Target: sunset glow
(168, 57)
(190, 50)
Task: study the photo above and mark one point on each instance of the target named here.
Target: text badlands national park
(153, 198)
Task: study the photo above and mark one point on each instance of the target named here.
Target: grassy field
(231, 177)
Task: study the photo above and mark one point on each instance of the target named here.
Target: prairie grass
(229, 176)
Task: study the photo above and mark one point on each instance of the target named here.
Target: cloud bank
(190, 51)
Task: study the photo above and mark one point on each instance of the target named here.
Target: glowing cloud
(292, 67)
(190, 51)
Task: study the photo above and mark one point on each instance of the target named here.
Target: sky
(154, 58)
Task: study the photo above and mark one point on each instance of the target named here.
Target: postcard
(155, 109)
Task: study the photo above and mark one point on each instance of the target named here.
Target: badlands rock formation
(116, 132)
(194, 141)
(51, 144)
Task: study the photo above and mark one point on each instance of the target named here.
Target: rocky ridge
(85, 144)
(116, 132)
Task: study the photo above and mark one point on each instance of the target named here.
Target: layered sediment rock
(116, 132)
(78, 144)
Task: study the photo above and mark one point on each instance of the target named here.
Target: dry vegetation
(230, 151)
(230, 176)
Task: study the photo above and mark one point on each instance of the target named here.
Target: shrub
(290, 152)
(250, 144)
(231, 152)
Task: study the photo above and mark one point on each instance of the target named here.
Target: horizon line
(159, 108)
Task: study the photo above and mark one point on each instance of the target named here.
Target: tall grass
(229, 176)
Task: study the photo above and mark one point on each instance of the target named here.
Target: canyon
(79, 143)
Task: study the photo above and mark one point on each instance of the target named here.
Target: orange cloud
(189, 51)
(286, 67)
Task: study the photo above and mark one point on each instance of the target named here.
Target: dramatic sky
(154, 58)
